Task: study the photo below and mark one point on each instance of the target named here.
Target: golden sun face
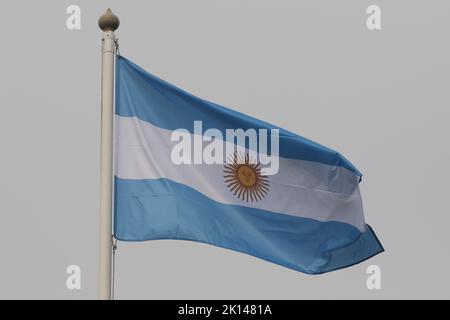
(244, 179)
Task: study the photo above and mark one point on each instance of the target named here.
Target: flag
(285, 199)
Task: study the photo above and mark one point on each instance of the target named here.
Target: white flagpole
(108, 22)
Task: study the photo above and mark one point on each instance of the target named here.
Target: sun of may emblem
(244, 179)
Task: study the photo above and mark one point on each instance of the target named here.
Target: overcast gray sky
(379, 97)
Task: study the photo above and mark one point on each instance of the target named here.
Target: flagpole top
(108, 21)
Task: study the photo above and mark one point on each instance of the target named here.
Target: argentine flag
(305, 213)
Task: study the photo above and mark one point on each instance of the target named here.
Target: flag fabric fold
(308, 216)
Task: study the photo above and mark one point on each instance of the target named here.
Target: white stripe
(300, 188)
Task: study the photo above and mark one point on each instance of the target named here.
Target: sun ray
(241, 190)
(235, 189)
(259, 194)
(263, 187)
(232, 185)
(251, 194)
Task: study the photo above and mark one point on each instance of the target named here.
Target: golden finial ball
(108, 21)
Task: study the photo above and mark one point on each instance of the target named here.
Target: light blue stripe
(163, 209)
(142, 95)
